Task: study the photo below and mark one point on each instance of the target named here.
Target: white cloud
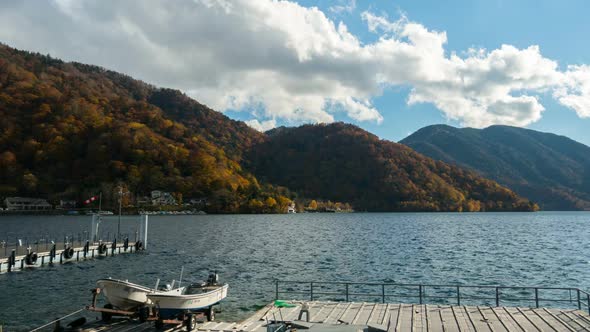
(575, 93)
(262, 126)
(343, 6)
(279, 60)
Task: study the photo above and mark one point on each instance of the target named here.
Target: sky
(388, 66)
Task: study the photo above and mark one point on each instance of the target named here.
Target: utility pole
(120, 201)
(99, 204)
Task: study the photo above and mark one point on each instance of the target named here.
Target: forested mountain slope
(343, 162)
(549, 169)
(69, 130)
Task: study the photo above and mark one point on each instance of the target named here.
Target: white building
(162, 198)
(26, 204)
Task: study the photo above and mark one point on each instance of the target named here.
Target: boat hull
(170, 305)
(124, 295)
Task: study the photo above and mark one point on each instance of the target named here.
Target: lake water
(250, 251)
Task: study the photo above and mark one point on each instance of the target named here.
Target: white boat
(124, 295)
(193, 298)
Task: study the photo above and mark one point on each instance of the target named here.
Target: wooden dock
(377, 317)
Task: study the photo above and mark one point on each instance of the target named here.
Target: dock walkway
(78, 253)
(355, 316)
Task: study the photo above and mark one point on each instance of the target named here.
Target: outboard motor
(165, 287)
(213, 279)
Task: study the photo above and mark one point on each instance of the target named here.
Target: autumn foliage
(69, 130)
(345, 163)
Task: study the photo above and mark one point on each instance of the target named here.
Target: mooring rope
(58, 319)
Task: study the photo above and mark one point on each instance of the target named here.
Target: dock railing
(523, 296)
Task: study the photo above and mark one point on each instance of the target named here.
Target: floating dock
(383, 317)
(67, 251)
(67, 254)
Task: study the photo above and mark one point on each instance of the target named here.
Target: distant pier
(21, 256)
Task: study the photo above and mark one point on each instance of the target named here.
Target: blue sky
(558, 28)
(390, 67)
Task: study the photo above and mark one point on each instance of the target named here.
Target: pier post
(346, 292)
(52, 254)
(420, 293)
(11, 260)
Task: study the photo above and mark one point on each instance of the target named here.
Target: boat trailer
(189, 319)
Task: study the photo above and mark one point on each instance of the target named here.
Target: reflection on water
(250, 251)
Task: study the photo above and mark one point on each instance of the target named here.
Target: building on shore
(66, 204)
(26, 204)
(162, 198)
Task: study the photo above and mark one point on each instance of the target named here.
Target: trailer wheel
(159, 324)
(107, 316)
(144, 313)
(210, 314)
(191, 322)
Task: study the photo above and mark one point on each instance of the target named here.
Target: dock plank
(448, 319)
(491, 319)
(573, 320)
(463, 319)
(433, 320)
(507, 320)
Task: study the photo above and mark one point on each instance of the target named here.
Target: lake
(250, 251)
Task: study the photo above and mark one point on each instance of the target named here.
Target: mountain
(343, 162)
(549, 169)
(69, 130)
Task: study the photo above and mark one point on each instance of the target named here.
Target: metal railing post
(346, 292)
(588, 302)
(458, 296)
(382, 293)
(579, 302)
(276, 289)
(536, 297)
(420, 293)
(311, 290)
(497, 297)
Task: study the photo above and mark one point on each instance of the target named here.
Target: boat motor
(165, 288)
(213, 279)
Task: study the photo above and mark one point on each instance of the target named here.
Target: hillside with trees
(70, 130)
(549, 169)
(345, 163)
